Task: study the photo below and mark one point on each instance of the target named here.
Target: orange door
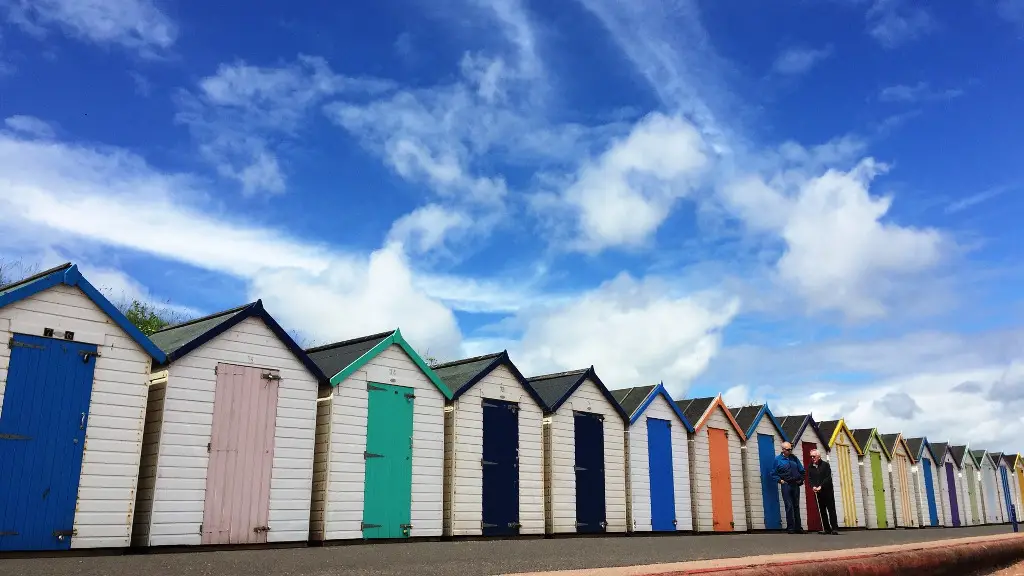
(721, 482)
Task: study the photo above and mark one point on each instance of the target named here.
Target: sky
(813, 204)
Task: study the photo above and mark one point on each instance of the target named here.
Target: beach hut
(876, 486)
(926, 478)
(903, 496)
(805, 436)
(844, 455)
(991, 512)
(1011, 484)
(494, 449)
(228, 450)
(764, 438)
(716, 472)
(584, 453)
(950, 486)
(1018, 473)
(658, 460)
(379, 456)
(1002, 511)
(968, 495)
(73, 375)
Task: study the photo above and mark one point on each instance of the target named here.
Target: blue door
(500, 468)
(954, 506)
(769, 488)
(1006, 492)
(933, 515)
(42, 435)
(590, 506)
(659, 457)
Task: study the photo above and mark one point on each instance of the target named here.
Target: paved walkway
(469, 558)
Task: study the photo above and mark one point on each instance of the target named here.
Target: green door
(876, 477)
(387, 496)
(970, 478)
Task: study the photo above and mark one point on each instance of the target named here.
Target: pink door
(241, 456)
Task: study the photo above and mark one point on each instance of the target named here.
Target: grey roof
(995, 457)
(958, 454)
(333, 358)
(19, 283)
(694, 408)
(940, 448)
(890, 442)
(745, 415)
(631, 398)
(171, 338)
(1010, 459)
(978, 456)
(828, 428)
(792, 424)
(862, 435)
(460, 373)
(915, 445)
(551, 388)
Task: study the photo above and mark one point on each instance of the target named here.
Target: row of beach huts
(222, 430)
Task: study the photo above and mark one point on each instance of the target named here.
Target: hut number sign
(382, 374)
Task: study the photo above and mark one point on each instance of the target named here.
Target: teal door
(387, 496)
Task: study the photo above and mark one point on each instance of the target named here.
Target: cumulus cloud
(968, 387)
(893, 23)
(30, 126)
(898, 405)
(133, 24)
(798, 60)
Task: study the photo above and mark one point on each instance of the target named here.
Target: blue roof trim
(660, 390)
(501, 360)
(926, 443)
(72, 277)
(757, 420)
(254, 310)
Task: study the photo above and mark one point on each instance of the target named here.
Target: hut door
(42, 438)
(590, 495)
(500, 468)
(991, 495)
(237, 506)
(929, 488)
(1020, 482)
(1006, 491)
(846, 485)
(663, 492)
(878, 487)
(769, 488)
(904, 488)
(951, 485)
(721, 480)
(970, 477)
(813, 518)
(387, 491)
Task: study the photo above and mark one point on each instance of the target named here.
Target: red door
(721, 480)
(237, 506)
(813, 517)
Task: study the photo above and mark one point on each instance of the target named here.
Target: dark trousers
(791, 498)
(827, 509)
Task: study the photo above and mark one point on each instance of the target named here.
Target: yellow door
(1020, 486)
(846, 484)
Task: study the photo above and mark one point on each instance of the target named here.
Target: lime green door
(879, 488)
(387, 495)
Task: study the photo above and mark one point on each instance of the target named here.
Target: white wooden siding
(808, 437)
(640, 470)
(844, 438)
(180, 490)
(117, 409)
(868, 484)
(466, 447)
(321, 466)
(701, 476)
(345, 485)
(754, 494)
(561, 460)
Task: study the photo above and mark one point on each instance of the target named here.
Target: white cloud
(426, 228)
(893, 23)
(1011, 10)
(975, 199)
(737, 396)
(30, 126)
(134, 24)
(797, 60)
(916, 93)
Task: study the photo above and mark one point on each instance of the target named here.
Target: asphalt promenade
(469, 558)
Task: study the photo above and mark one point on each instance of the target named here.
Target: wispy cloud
(893, 23)
(31, 126)
(1011, 10)
(916, 93)
(795, 61)
(975, 199)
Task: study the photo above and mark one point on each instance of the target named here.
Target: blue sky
(810, 203)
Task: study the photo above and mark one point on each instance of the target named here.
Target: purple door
(241, 456)
(951, 483)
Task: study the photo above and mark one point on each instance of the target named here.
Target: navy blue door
(933, 513)
(1006, 492)
(500, 468)
(659, 457)
(42, 435)
(769, 488)
(589, 436)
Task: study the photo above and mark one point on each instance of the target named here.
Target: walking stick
(820, 519)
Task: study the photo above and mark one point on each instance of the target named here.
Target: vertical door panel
(846, 485)
(813, 518)
(589, 467)
(1020, 483)
(769, 488)
(933, 514)
(42, 439)
(970, 477)
(904, 488)
(878, 487)
(237, 505)
(953, 504)
(659, 456)
(387, 493)
(721, 480)
(1006, 492)
(500, 468)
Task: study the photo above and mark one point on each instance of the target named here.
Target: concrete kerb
(953, 557)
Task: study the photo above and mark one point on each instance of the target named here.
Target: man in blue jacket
(789, 472)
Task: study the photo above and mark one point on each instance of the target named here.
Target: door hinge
(86, 355)
(487, 462)
(579, 524)
(371, 387)
(486, 525)
(405, 526)
(14, 344)
(515, 525)
(60, 534)
(579, 468)
(364, 525)
(368, 455)
(261, 529)
(14, 437)
(410, 396)
(10, 533)
(209, 447)
(271, 376)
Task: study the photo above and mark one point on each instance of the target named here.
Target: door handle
(81, 425)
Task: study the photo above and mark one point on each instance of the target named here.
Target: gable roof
(706, 406)
(959, 454)
(892, 442)
(555, 389)
(340, 360)
(634, 401)
(69, 275)
(940, 449)
(863, 437)
(996, 458)
(1011, 460)
(748, 417)
(979, 457)
(832, 429)
(796, 426)
(918, 446)
(181, 339)
(461, 375)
